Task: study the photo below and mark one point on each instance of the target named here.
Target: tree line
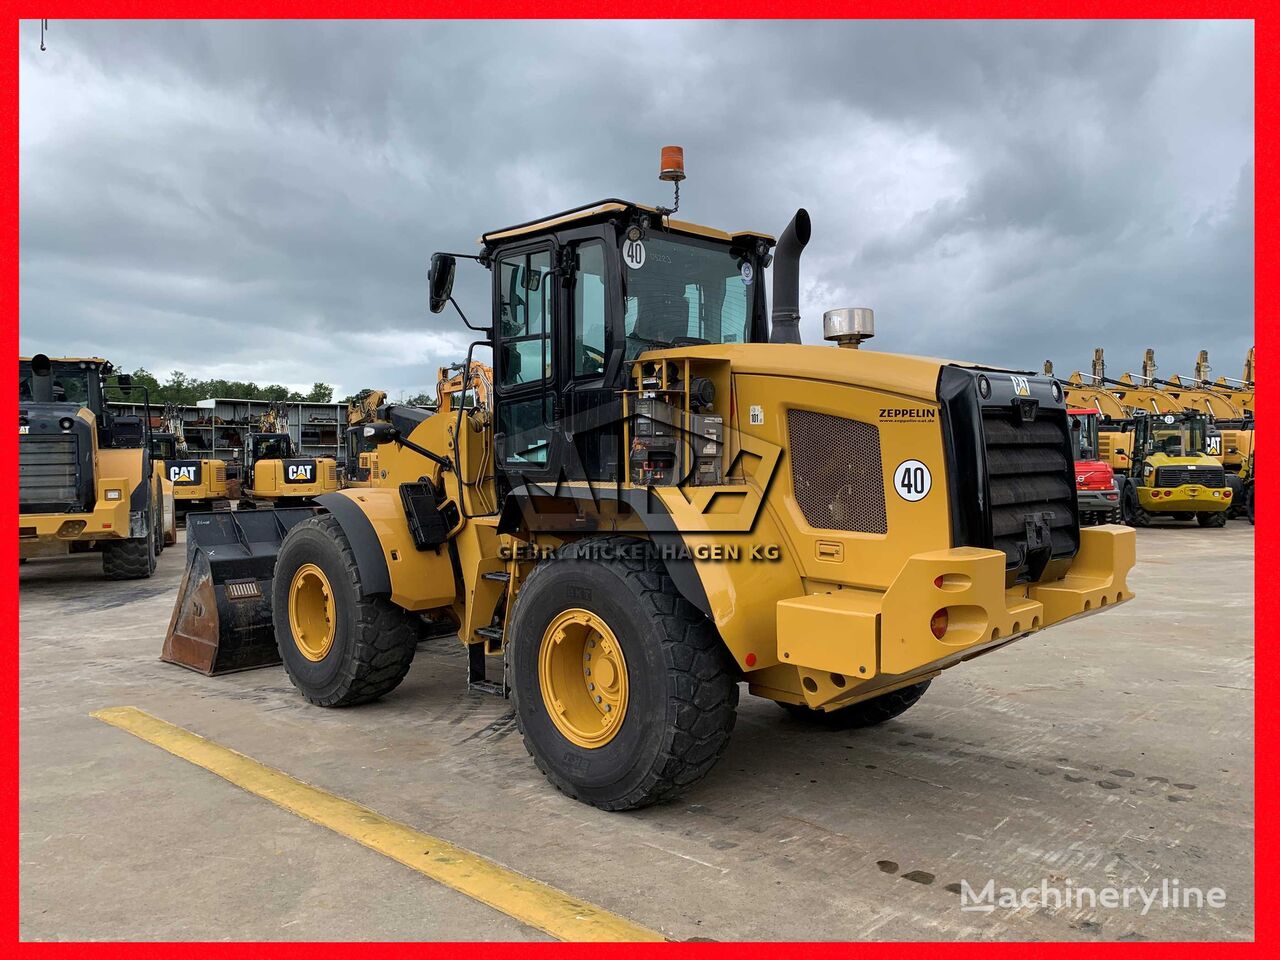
(182, 389)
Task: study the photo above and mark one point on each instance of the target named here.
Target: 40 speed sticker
(912, 480)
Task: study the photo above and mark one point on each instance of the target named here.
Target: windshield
(70, 384)
(271, 447)
(1181, 438)
(164, 448)
(680, 292)
(1084, 435)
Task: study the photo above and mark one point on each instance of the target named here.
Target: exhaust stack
(41, 379)
(785, 325)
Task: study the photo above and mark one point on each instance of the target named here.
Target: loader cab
(1171, 435)
(576, 298)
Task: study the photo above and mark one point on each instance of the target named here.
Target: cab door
(525, 308)
(593, 348)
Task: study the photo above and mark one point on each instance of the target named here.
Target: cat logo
(300, 472)
(185, 474)
(1020, 385)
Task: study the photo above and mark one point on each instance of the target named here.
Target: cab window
(525, 296)
(589, 311)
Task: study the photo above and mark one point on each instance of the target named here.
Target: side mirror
(380, 433)
(125, 383)
(440, 280)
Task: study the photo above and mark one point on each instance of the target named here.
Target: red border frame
(1266, 208)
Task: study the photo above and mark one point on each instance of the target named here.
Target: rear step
(477, 678)
(499, 575)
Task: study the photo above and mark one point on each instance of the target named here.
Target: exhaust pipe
(41, 379)
(785, 325)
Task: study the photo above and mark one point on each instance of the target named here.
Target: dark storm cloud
(260, 200)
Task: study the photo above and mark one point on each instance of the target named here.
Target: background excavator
(274, 475)
(361, 453)
(198, 483)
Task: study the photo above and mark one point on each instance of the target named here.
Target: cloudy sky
(260, 201)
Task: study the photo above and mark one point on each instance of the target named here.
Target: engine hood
(890, 372)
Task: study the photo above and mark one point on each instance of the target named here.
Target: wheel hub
(583, 677)
(312, 617)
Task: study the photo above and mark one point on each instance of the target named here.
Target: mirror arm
(443, 462)
(487, 331)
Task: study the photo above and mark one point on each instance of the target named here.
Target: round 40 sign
(912, 480)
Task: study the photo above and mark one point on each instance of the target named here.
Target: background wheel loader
(273, 476)
(1171, 473)
(672, 495)
(86, 476)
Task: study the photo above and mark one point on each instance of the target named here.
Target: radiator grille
(1029, 475)
(1176, 476)
(46, 469)
(836, 472)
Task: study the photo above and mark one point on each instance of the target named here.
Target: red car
(1096, 490)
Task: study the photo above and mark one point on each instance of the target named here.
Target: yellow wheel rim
(583, 677)
(312, 616)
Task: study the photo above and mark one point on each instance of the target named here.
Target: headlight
(113, 494)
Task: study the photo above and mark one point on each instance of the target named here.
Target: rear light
(937, 581)
(938, 623)
(1226, 494)
(113, 494)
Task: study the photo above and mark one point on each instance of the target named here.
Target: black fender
(517, 515)
(375, 578)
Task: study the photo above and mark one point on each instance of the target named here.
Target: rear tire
(1132, 510)
(372, 641)
(1249, 499)
(679, 686)
(1218, 519)
(129, 559)
(868, 713)
(1238, 507)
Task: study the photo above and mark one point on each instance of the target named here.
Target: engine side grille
(836, 472)
(46, 470)
(1177, 476)
(1029, 477)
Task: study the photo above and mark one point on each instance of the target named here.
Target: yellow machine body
(294, 479)
(812, 615)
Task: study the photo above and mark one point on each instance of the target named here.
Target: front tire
(667, 691)
(339, 647)
(868, 713)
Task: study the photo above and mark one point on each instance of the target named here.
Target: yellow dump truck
(673, 495)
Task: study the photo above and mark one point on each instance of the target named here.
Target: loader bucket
(222, 618)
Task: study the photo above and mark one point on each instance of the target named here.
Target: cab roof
(602, 209)
(97, 360)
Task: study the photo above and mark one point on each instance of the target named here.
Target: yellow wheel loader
(87, 480)
(671, 496)
(274, 475)
(1171, 473)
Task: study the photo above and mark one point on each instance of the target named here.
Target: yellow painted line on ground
(530, 901)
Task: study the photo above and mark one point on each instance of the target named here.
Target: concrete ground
(1113, 751)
